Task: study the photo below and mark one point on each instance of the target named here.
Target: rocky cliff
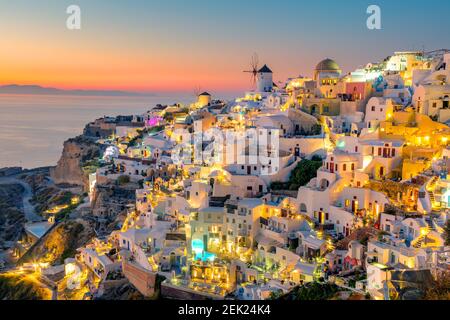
(76, 153)
(17, 287)
(12, 218)
(60, 242)
(110, 204)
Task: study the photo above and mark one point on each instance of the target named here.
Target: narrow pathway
(28, 208)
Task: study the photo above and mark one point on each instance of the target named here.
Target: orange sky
(64, 65)
(161, 45)
(95, 59)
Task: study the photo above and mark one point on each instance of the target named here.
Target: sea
(33, 128)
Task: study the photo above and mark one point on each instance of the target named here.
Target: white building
(264, 79)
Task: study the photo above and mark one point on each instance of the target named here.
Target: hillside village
(355, 193)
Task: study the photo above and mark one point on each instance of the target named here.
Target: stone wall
(180, 293)
(143, 280)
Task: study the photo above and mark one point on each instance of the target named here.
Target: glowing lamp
(70, 268)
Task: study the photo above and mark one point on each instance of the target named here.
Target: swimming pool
(205, 256)
(198, 249)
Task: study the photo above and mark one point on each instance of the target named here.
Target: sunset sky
(179, 45)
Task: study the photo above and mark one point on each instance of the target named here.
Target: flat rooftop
(38, 229)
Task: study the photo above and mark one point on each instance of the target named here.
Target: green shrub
(301, 175)
(122, 180)
(312, 291)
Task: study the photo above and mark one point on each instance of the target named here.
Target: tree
(274, 295)
(312, 291)
(301, 175)
(440, 290)
(447, 233)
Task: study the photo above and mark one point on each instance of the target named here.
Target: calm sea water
(33, 128)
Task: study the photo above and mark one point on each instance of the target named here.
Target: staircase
(417, 243)
(432, 199)
(439, 225)
(432, 183)
(330, 245)
(430, 188)
(430, 224)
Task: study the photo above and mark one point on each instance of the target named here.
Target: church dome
(327, 65)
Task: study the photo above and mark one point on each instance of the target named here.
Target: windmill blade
(255, 62)
(254, 67)
(197, 91)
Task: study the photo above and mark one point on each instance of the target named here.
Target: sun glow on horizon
(177, 46)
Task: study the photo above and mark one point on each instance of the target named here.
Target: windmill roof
(204, 94)
(265, 69)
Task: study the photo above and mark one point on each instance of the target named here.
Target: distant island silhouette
(38, 90)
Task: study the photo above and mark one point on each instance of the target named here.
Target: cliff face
(61, 242)
(12, 218)
(17, 287)
(76, 153)
(110, 205)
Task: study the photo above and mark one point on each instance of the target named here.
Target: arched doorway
(324, 184)
(303, 208)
